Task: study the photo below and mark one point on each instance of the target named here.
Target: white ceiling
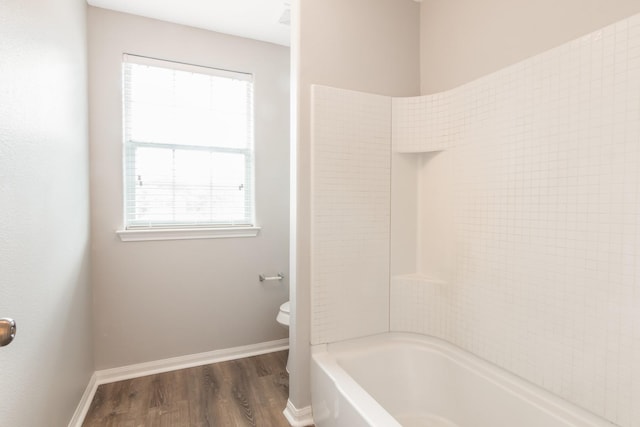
(255, 19)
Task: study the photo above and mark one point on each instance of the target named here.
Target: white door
(44, 230)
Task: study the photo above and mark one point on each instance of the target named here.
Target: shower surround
(528, 219)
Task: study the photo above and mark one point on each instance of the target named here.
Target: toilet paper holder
(264, 278)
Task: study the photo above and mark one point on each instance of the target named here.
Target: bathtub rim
(369, 408)
(327, 357)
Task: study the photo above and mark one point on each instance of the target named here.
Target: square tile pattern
(543, 161)
(351, 190)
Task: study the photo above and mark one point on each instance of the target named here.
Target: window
(188, 146)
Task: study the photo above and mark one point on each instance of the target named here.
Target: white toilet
(283, 315)
(283, 319)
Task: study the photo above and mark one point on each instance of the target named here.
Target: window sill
(186, 233)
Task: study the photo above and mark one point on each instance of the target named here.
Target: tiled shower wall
(351, 166)
(542, 164)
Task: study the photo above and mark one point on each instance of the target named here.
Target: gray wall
(461, 40)
(44, 211)
(160, 299)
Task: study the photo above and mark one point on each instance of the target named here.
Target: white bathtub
(398, 379)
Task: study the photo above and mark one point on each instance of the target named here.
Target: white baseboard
(298, 417)
(106, 376)
(85, 402)
(181, 362)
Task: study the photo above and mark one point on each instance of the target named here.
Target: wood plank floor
(244, 392)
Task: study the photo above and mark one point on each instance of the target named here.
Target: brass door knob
(7, 331)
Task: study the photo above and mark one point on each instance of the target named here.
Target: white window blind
(188, 145)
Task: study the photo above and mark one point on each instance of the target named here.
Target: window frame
(133, 230)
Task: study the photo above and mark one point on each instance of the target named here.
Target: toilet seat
(283, 314)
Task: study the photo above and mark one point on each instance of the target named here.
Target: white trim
(298, 417)
(106, 376)
(186, 233)
(181, 362)
(85, 401)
